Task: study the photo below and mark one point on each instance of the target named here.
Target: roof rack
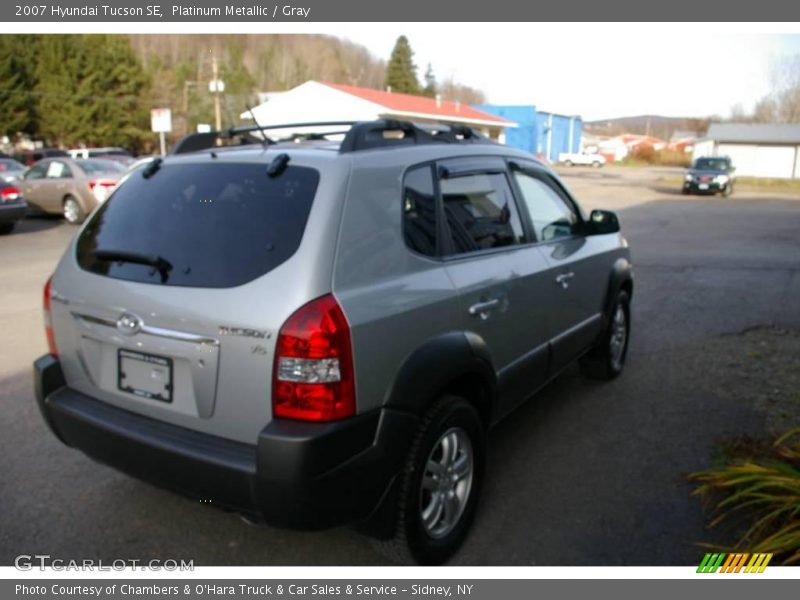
(359, 135)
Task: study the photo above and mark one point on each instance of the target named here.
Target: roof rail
(359, 135)
(196, 142)
(386, 133)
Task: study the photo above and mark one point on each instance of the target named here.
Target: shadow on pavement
(36, 223)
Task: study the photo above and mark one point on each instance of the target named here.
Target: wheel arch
(621, 278)
(455, 363)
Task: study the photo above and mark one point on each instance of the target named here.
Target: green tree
(431, 89)
(115, 85)
(401, 72)
(17, 106)
(57, 71)
(90, 90)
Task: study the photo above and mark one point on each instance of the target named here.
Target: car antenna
(265, 140)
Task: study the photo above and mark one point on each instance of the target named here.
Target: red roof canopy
(407, 103)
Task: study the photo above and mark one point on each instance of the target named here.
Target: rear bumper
(11, 212)
(297, 475)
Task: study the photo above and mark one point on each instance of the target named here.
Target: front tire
(440, 484)
(568, 163)
(596, 164)
(726, 193)
(7, 228)
(607, 359)
(73, 213)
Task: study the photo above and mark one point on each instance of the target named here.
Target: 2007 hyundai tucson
(318, 332)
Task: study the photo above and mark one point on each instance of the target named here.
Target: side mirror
(602, 222)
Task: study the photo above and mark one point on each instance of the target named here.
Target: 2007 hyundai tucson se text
(320, 332)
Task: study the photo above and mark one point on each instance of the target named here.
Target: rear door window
(480, 212)
(215, 225)
(419, 211)
(58, 170)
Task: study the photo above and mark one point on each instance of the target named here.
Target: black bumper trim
(11, 213)
(298, 475)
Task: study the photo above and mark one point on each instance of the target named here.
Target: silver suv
(320, 332)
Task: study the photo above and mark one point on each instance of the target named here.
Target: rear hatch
(169, 301)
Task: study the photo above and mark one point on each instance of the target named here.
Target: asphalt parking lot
(586, 474)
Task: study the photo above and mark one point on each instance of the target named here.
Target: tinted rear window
(92, 165)
(217, 225)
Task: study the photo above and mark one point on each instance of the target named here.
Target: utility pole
(215, 71)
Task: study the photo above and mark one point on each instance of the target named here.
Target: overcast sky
(595, 70)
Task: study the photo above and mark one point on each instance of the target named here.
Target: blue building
(544, 134)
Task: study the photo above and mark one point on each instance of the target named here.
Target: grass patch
(766, 183)
(752, 184)
(757, 487)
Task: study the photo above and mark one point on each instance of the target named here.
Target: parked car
(29, 157)
(710, 175)
(104, 152)
(10, 169)
(316, 333)
(578, 158)
(12, 206)
(72, 188)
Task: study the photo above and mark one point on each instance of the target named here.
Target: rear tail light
(102, 188)
(313, 372)
(48, 319)
(9, 194)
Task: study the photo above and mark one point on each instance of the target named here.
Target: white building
(757, 150)
(313, 101)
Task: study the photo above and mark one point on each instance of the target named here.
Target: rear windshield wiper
(151, 260)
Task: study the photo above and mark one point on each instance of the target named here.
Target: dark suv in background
(710, 175)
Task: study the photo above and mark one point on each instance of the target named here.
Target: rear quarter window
(217, 225)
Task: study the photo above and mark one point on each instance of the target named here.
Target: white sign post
(161, 123)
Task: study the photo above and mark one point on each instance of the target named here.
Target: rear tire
(607, 359)
(568, 163)
(596, 164)
(440, 485)
(73, 213)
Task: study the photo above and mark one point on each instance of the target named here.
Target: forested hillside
(98, 90)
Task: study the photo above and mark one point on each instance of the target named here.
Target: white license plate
(702, 186)
(145, 375)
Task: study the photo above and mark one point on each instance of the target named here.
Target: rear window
(93, 165)
(215, 225)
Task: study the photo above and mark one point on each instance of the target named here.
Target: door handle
(563, 279)
(482, 308)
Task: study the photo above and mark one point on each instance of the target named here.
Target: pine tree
(431, 89)
(17, 114)
(401, 72)
(116, 84)
(89, 91)
(58, 72)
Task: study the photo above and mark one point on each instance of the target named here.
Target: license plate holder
(703, 186)
(145, 375)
